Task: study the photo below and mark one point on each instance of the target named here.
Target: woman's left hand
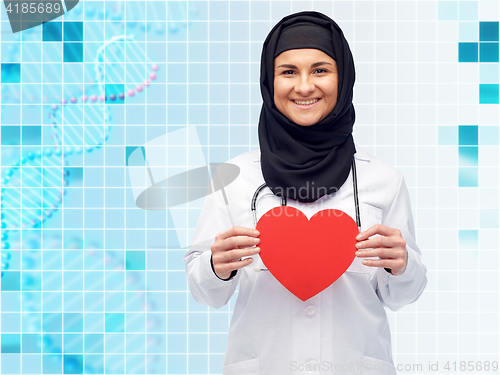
(389, 246)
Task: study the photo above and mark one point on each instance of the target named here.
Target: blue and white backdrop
(94, 283)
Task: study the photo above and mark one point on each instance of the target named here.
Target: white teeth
(305, 102)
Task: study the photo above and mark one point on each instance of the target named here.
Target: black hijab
(304, 163)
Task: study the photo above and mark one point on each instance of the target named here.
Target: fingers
(236, 238)
(391, 253)
(383, 230)
(394, 258)
(381, 251)
(393, 264)
(225, 269)
(238, 231)
(239, 242)
(393, 241)
(232, 245)
(233, 255)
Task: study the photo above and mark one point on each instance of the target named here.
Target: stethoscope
(283, 203)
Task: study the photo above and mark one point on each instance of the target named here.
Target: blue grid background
(98, 285)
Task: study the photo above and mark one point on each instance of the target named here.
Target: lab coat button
(310, 310)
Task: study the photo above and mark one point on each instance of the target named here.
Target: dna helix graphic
(33, 189)
(73, 141)
(83, 121)
(80, 117)
(31, 192)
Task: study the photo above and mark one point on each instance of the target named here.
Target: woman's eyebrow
(315, 65)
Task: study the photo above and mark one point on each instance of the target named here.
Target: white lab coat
(343, 329)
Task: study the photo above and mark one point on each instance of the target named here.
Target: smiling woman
(305, 85)
(308, 161)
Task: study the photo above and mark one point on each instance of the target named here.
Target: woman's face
(305, 85)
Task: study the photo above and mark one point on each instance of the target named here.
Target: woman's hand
(230, 246)
(389, 246)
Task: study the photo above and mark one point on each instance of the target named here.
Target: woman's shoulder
(249, 157)
(378, 181)
(247, 167)
(375, 167)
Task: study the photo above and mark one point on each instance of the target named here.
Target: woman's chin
(305, 121)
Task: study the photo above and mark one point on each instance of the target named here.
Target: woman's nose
(304, 86)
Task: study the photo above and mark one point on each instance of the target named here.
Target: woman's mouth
(306, 103)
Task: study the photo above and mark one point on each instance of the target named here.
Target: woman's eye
(321, 70)
(288, 72)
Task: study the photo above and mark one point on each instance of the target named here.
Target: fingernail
(364, 261)
(359, 236)
(358, 252)
(256, 250)
(256, 232)
(256, 240)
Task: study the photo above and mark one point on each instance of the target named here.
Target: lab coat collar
(359, 155)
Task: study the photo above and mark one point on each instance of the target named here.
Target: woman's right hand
(230, 246)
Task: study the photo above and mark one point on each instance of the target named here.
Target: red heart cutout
(306, 256)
